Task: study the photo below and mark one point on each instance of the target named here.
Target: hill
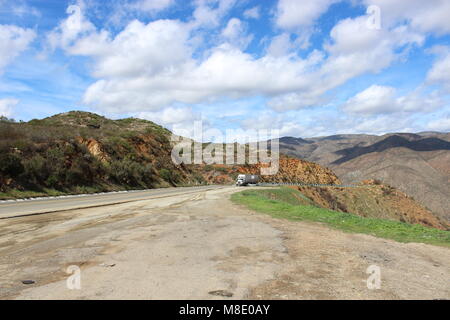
(417, 164)
(78, 152)
(82, 152)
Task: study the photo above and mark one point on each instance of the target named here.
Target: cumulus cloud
(440, 71)
(252, 13)
(424, 16)
(384, 100)
(14, 40)
(375, 99)
(140, 49)
(294, 101)
(353, 50)
(294, 14)
(280, 45)
(170, 116)
(356, 48)
(7, 107)
(153, 5)
(299, 17)
(235, 34)
(208, 13)
(70, 29)
(150, 66)
(268, 120)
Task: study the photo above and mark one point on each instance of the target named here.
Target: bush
(63, 166)
(165, 174)
(131, 173)
(10, 165)
(169, 176)
(35, 170)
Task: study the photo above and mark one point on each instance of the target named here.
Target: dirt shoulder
(329, 264)
(184, 247)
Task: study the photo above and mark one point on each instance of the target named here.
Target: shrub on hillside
(131, 173)
(10, 165)
(169, 176)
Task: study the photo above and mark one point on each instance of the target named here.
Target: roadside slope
(417, 164)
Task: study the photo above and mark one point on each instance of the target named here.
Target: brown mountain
(417, 164)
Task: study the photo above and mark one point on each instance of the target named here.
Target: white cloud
(424, 16)
(352, 42)
(280, 45)
(442, 125)
(208, 13)
(153, 5)
(14, 40)
(18, 8)
(299, 17)
(353, 50)
(294, 101)
(140, 49)
(295, 14)
(380, 125)
(235, 34)
(440, 71)
(170, 116)
(147, 67)
(384, 100)
(70, 29)
(252, 13)
(375, 99)
(7, 107)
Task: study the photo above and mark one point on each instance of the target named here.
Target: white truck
(246, 179)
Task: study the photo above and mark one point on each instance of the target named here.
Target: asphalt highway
(20, 208)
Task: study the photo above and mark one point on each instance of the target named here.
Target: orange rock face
(295, 171)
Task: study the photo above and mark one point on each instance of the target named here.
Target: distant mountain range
(418, 164)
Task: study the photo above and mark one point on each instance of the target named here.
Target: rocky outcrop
(295, 171)
(95, 148)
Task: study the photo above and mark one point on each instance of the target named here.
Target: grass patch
(286, 203)
(18, 194)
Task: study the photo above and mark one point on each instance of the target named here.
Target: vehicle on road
(246, 179)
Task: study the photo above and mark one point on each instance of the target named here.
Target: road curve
(21, 208)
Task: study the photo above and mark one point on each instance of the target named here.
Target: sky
(304, 67)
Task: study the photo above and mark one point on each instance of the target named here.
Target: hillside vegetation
(84, 152)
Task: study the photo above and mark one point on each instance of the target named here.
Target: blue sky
(304, 67)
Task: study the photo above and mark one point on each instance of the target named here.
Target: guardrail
(299, 184)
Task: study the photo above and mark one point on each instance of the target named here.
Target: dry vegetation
(84, 152)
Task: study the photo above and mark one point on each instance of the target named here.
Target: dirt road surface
(185, 246)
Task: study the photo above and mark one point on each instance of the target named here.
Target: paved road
(10, 210)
